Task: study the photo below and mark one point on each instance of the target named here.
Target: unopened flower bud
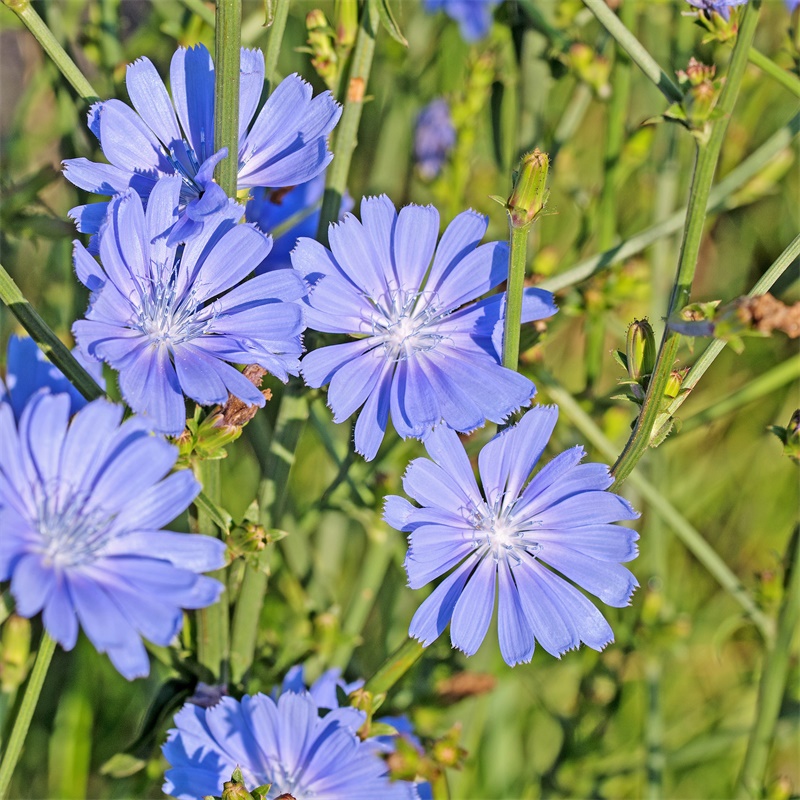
(529, 195)
(640, 349)
(673, 387)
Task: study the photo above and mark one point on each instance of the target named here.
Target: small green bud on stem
(640, 349)
(529, 195)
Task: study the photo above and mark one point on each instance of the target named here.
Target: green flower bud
(640, 349)
(529, 195)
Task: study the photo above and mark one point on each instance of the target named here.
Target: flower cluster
(300, 741)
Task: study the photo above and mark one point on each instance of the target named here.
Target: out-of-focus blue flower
(434, 138)
(474, 17)
(81, 505)
(283, 741)
(425, 351)
(499, 538)
(28, 370)
(269, 209)
(172, 319)
(792, 5)
(721, 7)
(285, 145)
(324, 690)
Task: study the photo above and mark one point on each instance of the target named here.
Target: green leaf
(222, 519)
(388, 21)
(122, 765)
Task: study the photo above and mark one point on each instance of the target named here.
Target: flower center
(495, 530)
(406, 324)
(168, 319)
(72, 533)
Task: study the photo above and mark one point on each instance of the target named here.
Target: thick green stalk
(213, 636)
(785, 78)
(685, 531)
(227, 46)
(773, 681)
(36, 25)
(717, 201)
(274, 44)
(395, 667)
(762, 285)
(347, 131)
(705, 167)
(516, 281)
(634, 48)
(762, 386)
(49, 343)
(13, 749)
(371, 576)
(292, 417)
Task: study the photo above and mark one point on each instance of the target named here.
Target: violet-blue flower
(28, 370)
(269, 209)
(285, 742)
(508, 537)
(721, 7)
(285, 145)
(434, 138)
(172, 319)
(81, 505)
(426, 351)
(474, 17)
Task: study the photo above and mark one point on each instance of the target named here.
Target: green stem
(634, 48)
(685, 531)
(762, 285)
(371, 576)
(213, 649)
(347, 130)
(274, 44)
(761, 386)
(47, 647)
(705, 167)
(773, 680)
(516, 282)
(291, 420)
(395, 667)
(717, 201)
(36, 25)
(785, 78)
(571, 118)
(6, 605)
(43, 335)
(227, 46)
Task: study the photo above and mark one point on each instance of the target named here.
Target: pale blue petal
(473, 610)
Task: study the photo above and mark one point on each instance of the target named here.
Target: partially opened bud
(529, 196)
(640, 349)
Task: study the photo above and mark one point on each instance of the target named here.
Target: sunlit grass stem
(773, 681)
(48, 342)
(274, 43)
(22, 722)
(37, 26)
(394, 667)
(635, 49)
(785, 78)
(705, 167)
(718, 200)
(346, 135)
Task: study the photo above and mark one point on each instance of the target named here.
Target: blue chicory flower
(721, 7)
(171, 319)
(501, 537)
(269, 209)
(28, 370)
(426, 351)
(81, 505)
(285, 742)
(474, 17)
(285, 145)
(434, 138)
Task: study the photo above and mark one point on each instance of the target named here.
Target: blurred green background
(665, 711)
